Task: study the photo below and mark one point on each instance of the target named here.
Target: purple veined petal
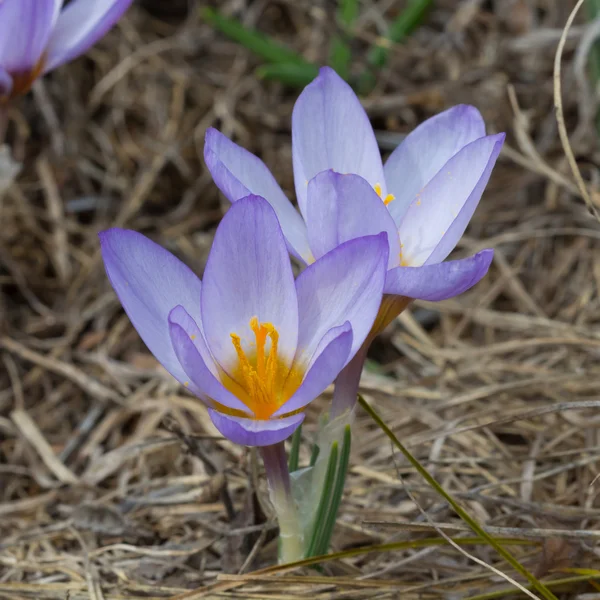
(150, 282)
(248, 274)
(25, 28)
(426, 150)
(252, 432)
(344, 207)
(80, 25)
(238, 173)
(188, 344)
(439, 281)
(344, 285)
(5, 84)
(331, 130)
(437, 218)
(331, 356)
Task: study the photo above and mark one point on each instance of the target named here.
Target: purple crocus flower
(423, 197)
(251, 343)
(37, 36)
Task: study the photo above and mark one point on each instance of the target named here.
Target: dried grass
(495, 391)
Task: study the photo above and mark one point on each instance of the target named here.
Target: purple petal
(437, 218)
(426, 150)
(5, 84)
(344, 207)
(331, 356)
(238, 173)
(252, 432)
(331, 130)
(440, 281)
(25, 28)
(150, 282)
(192, 353)
(248, 274)
(80, 25)
(344, 285)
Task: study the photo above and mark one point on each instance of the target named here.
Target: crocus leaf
(336, 494)
(314, 454)
(256, 42)
(323, 508)
(341, 54)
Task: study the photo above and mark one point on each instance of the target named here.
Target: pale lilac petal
(331, 130)
(80, 25)
(191, 351)
(25, 28)
(426, 150)
(440, 281)
(331, 356)
(5, 83)
(252, 432)
(248, 274)
(150, 282)
(344, 285)
(344, 207)
(238, 173)
(436, 220)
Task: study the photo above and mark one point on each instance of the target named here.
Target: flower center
(261, 379)
(379, 192)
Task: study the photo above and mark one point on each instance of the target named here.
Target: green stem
(278, 477)
(461, 512)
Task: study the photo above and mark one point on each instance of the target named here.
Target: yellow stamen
(379, 192)
(263, 377)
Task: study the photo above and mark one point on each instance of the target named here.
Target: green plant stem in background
(463, 514)
(292, 74)
(341, 54)
(593, 13)
(401, 27)
(262, 45)
(291, 542)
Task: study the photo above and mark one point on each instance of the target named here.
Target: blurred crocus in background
(37, 36)
(252, 344)
(423, 197)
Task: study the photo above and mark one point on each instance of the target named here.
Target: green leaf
(262, 45)
(295, 450)
(317, 526)
(291, 73)
(336, 494)
(341, 54)
(314, 455)
(461, 512)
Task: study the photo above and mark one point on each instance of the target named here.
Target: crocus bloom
(251, 343)
(37, 36)
(423, 197)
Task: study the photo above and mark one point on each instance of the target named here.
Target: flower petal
(192, 353)
(5, 83)
(251, 432)
(80, 25)
(439, 281)
(344, 207)
(25, 28)
(150, 282)
(248, 274)
(238, 173)
(331, 130)
(438, 217)
(344, 285)
(331, 356)
(426, 150)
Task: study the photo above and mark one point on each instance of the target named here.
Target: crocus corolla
(423, 197)
(37, 36)
(253, 344)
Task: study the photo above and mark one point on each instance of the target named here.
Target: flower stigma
(261, 379)
(379, 192)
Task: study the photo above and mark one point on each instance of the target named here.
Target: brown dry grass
(496, 391)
